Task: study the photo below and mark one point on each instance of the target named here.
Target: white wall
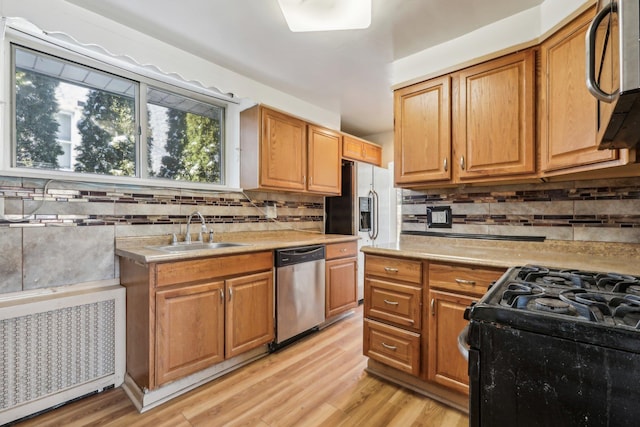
(520, 29)
(90, 28)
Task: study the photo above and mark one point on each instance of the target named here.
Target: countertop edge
(146, 255)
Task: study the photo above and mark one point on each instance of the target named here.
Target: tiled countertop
(139, 248)
(590, 256)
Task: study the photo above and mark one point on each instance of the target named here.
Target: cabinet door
(249, 319)
(568, 114)
(422, 140)
(495, 126)
(446, 365)
(283, 157)
(325, 166)
(340, 286)
(189, 330)
(360, 150)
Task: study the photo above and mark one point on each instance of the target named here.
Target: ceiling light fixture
(326, 15)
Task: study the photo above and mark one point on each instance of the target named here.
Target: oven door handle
(463, 343)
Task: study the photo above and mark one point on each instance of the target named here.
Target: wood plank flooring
(318, 381)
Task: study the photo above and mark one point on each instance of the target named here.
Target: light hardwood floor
(318, 381)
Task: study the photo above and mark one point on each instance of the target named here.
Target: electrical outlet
(270, 211)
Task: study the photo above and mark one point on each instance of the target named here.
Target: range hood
(613, 72)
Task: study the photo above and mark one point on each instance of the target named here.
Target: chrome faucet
(203, 227)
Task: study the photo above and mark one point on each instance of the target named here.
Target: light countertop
(589, 256)
(140, 248)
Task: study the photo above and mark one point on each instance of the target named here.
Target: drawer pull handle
(466, 282)
(390, 347)
(343, 249)
(390, 270)
(391, 302)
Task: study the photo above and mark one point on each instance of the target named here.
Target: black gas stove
(556, 347)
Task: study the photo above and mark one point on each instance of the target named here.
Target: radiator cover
(59, 347)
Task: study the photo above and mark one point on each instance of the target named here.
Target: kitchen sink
(198, 246)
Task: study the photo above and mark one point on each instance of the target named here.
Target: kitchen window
(73, 118)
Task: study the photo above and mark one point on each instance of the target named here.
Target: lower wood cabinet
(249, 313)
(446, 365)
(452, 288)
(341, 267)
(392, 346)
(184, 316)
(413, 313)
(189, 330)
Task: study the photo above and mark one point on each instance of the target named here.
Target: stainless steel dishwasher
(299, 291)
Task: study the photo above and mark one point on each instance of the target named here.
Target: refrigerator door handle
(375, 210)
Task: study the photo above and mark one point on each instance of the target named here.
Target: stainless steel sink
(197, 246)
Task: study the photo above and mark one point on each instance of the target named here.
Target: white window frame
(23, 34)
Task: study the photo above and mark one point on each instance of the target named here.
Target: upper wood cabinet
(324, 161)
(282, 153)
(568, 114)
(473, 125)
(358, 149)
(495, 127)
(422, 137)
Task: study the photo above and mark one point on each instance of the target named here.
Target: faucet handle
(174, 239)
(210, 235)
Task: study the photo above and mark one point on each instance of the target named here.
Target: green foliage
(193, 148)
(107, 130)
(36, 124)
(171, 166)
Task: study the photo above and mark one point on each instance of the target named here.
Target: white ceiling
(344, 71)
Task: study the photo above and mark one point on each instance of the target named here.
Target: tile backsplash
(58, 233)
(604, 211)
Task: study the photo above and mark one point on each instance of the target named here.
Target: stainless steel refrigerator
(366, 208)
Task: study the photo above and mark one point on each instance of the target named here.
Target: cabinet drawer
(392, 346)
(462, 279)
(394, 268)
(341, 250)
(393, 302)
(172, 273)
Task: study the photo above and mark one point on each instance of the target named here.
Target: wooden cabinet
(341, 278)
(324, 161)
(282, 153)
(249, 312)
(452, 288)
(358, 149)
(393, 292)
(473, 125)
(190, 330)
(422, 138)
(495, 134)
(184, 316)
(568, 117)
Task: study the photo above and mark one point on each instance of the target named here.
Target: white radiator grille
(53, 352)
